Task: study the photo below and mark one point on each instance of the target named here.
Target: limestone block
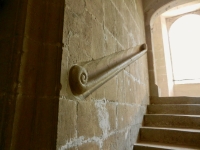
(125, 115)
(87, 120)
(119, 29)
(111, 108)
(111, 89)
(110, 143)
(110, 43)
(97, 48)
(88, 146)
(119, 5)
(120, 90)
(66, 121)
(110, 18)
(98, 94)
(76, 53)
(132, 7)
(126, 17)
(95, 7)
(64, 72)
(133, 133)
(130, 89)
(77, 24)
(141, 110)
(72, 148)
(121, 139)
(77, 6)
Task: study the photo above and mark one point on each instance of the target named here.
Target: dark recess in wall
(2, 2)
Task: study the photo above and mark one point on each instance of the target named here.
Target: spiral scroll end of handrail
(143, 47)
(78, 79)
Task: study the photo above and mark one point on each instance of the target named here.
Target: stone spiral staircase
(171, 123)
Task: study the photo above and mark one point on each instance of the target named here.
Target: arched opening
(184, 35)
(176, 71)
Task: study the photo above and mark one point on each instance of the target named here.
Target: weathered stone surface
(110, 43)
(110, 116)
(66, 121)
(87, 146)
(97, 48)
(126, 115)
(110, 18)
(111, 89)
(110, 143)
(120, 90)
(87, 120)
(76, 6)
(95, 7)
(112, 111)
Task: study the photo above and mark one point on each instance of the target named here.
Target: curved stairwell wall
(110, 117)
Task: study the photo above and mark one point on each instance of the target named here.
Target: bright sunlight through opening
(184, 37)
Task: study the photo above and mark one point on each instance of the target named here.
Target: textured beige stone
(111, 89)
(97, 48)
(110, 43)
(120, 90)
(87, 146)
(98, 29)
(112, 111)
(78, 9)
(95, 7)
(66, 121)
(110, 18)
(87, 120)
(110, 143)
(125, 115)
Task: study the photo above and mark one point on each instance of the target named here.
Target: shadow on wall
(1, 3)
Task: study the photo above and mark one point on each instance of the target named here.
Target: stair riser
(138, 147)
(174, 109)
(175, 100)
(172, 121)
(170, 136)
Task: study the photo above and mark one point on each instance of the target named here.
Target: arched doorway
(184, 35)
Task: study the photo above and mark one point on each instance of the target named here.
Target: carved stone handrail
(86, 77)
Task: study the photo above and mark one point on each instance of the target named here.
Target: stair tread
(175, 100)
(172, 120)
(175, 121)
(181, 115)
(175, 104)
(172, 128)
(189, 109)
(165, 146)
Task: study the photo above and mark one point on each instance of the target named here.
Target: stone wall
(111, 116)
(160, 58)
(30, 64)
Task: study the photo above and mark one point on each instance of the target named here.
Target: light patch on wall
(103, 117)
(126, 134)
(80, 141)
(73, 143)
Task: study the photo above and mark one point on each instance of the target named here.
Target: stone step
(188, 109)
(176, 121)
(174, 136)
(160, 146)
(175, 100)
